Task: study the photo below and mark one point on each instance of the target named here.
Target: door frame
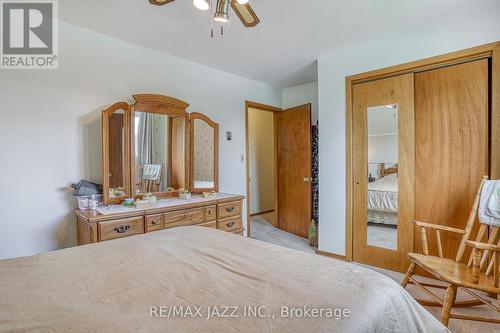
(488, 51)
(265, 108)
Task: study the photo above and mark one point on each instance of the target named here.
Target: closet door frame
(488, 51)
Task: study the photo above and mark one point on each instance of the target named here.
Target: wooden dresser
(222, 212)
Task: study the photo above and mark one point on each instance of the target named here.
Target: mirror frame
(215, 126)
(106, 114)
(164, 105)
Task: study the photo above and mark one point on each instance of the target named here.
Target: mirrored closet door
(383, 127)
(382, 198)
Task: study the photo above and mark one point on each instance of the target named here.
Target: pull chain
(211, 19)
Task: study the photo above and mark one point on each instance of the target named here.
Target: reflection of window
(136, 131)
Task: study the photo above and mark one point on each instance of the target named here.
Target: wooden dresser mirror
(159, 146)
(156, 146)
(116, 158)
(204, 154)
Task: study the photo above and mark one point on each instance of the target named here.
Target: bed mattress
(132, 285)
(383, 194)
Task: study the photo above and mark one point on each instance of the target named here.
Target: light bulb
(221, 19)
(201, 4)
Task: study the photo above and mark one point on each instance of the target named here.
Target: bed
(383, 197)
(123, 285)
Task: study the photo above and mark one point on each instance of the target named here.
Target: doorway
(262, 171)
(279, 191)
(262, 178)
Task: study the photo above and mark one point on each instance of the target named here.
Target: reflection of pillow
(151, 172)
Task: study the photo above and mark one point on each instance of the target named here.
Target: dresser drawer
(184, 218)
(211, 224)
(210, 213)
(154, 222)
(229, 209)
(232, 224)
(120, 228)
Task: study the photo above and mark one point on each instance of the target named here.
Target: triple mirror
(156, 146)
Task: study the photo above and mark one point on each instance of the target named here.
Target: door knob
(308, 179)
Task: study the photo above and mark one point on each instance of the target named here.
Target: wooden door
(293, 144)
(451, 125)
(394, 92)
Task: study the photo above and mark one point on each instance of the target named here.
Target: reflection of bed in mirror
(383, 196)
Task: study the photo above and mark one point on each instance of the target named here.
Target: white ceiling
(282, 50)
(382, 120)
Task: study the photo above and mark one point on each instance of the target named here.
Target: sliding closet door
(383, 171)
(451, 125)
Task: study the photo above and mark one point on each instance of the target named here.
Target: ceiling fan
(242, 9)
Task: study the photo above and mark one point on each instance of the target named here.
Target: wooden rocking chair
(474, 276)
(150, 178)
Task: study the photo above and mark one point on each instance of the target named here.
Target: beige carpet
(262, 229)
(384, 236)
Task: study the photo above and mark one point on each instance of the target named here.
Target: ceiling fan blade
(245, 13)
(160, 2)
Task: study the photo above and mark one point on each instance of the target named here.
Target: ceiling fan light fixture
(222, 11)
(201, 4)
(242, 2)
(221, 17)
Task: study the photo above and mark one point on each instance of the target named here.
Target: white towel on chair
(151, 172)
(489, 204)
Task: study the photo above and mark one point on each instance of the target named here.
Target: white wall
(300, 95)
(50, 128)
(383, 148)
(261, 144)
(450, 34)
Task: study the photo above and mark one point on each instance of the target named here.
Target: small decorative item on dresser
(207, 195)
(142, 204)
(129, 202)
(185, 195)
(151, 198)
(117, 192)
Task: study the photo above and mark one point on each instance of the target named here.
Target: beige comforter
(196, 279)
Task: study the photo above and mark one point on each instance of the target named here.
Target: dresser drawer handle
(230, 224)
(230, 209)
(122, 229)
(155, 222)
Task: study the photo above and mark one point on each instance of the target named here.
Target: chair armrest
(439, 227)
(483, 246)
